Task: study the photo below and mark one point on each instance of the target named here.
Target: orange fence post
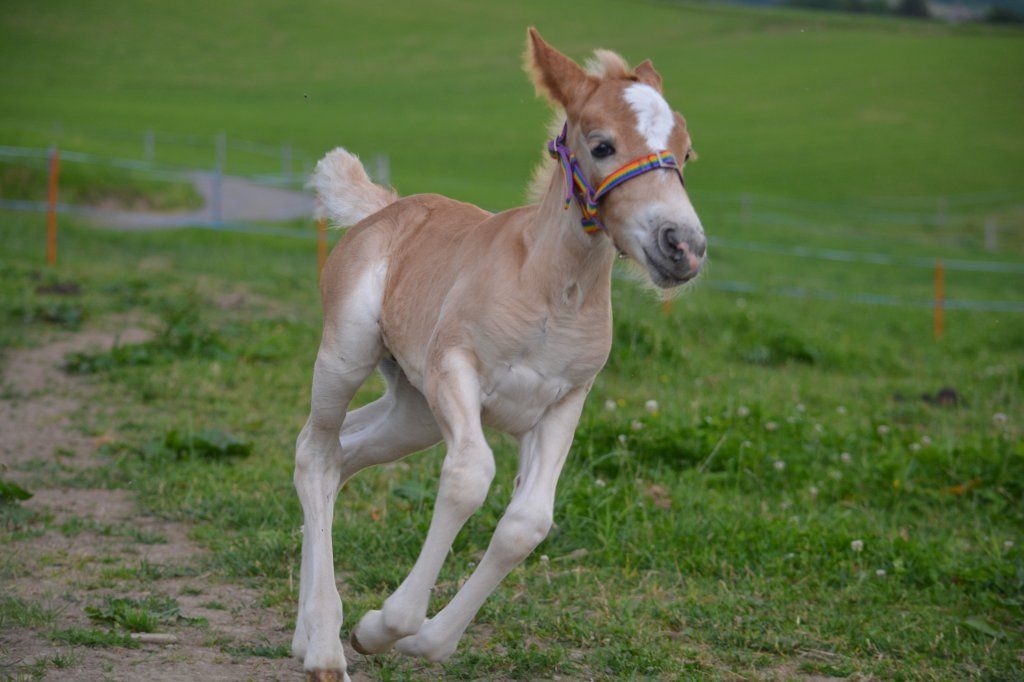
(321, 245)
(51, 211)
(940, 294)
(666, 304)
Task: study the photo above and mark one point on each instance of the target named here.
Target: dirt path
(76, 547)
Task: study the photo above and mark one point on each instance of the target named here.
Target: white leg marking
(525, 524)
(654, 120)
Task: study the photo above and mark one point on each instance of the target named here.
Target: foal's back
(431, 257)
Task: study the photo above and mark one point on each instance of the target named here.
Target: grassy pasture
(794, 507)
(786, 103)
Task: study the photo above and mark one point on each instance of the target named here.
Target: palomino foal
(476, 318)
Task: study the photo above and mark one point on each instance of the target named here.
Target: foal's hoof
(356, 645)
(326, 676)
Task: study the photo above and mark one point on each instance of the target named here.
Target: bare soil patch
(82, 545)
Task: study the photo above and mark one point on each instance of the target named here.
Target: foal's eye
(602, 151)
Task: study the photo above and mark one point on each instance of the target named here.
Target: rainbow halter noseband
(587, 198)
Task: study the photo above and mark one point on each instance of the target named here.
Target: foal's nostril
(701, 248)
(684, 244)
(670, 244)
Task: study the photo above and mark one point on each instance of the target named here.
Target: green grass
(94, 637)
(869, 108)
(793, 507)
(17, 612)
(703, 553)
(75, 525)
(135, 615)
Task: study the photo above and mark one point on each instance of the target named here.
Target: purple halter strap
(587, 198)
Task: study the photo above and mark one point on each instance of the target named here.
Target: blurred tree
(1003, 15)
(913, 8)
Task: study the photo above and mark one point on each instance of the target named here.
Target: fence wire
(901, 211)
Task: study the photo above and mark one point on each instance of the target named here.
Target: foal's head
(614, 117)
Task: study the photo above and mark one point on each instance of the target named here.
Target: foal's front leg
(454, 393)
(524, 525)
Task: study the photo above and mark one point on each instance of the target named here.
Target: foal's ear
(555, 76)
(646, 73)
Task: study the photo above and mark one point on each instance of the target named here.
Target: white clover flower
(845, 457)
(770, 426)
(818, 428)
(841, 409)
(622, 439)
(880, 573)
(600, 483)
(813, 490)
(915, 447)
(636, 425)
(544, 558)
(742, 411)
(1008, 544)
(651, 406)
(1000, 419)
(857, 545)
(746, 444)
(800, 407)
(779, 465)
(882, 429)
(926, 441)
(610, 405)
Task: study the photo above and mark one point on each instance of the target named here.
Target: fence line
(731, 286)
(919, 204)
(864, 298)
(151, 169)
(844, 256)
(151, 137)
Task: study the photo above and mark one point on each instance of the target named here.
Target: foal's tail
(346, 193)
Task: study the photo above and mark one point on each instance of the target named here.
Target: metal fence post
(215, 200)
(149, 146)
(286, 160)
(382, 169)
(991, 234)
(941, 210)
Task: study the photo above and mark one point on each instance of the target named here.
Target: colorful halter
(587, 198)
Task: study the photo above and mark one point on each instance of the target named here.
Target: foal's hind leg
(350, 349)
(397, 424)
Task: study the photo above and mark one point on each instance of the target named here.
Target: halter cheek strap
(587, 198)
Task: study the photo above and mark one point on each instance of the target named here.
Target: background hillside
(790, 103)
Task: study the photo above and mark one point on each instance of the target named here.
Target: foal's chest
(523, 379)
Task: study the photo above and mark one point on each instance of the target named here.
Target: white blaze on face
(654, 120)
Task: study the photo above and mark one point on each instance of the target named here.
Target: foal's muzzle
(678, 254)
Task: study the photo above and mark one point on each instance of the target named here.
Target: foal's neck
(563, 255)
